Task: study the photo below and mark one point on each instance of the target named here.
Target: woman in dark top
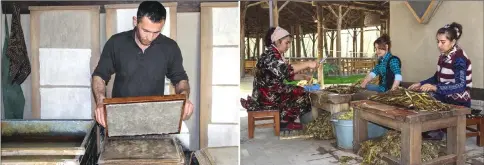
(452, 81)
(269, 91)
(388, 67)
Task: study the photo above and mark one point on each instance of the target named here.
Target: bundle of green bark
(349, 89)
(390, 144)
(410, 99)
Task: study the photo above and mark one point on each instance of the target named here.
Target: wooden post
(338, 39)
(274, 12)
(243, 6)
(331, 46)
(301, 33)
(319, 16)
(257, 45)
(298, 41)
(355, 36)
(340, 15)
(293, 45)
(248, 46)
(362, 39)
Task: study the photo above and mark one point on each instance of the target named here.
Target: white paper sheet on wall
(226, 28)
(65, 66)
(65, 103)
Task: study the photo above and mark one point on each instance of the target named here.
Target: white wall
(416, 44)
(188, 38)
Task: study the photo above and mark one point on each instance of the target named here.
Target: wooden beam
(243, 6)
(183, 6)
(275, 13)
(255, 4)
(319, 16)
(283, 5)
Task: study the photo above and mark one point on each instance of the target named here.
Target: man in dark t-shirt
(141, 58)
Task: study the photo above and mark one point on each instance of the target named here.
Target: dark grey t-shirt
(138, 73)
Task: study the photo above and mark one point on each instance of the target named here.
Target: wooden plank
(442, 160)
(407, 115)
(411, 143)
(321, 97)
(205, 73)
(136, 5)
(127, 100)
(49, 8)
(439, 123)
(456, 139)
(388, 111)
(95, 50)
(390, 159)
(360, 129)
(43, 151)
(182, 6)
(219, 4)
(34, 50)
(394, 124)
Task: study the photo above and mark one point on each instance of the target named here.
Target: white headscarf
(278, 34)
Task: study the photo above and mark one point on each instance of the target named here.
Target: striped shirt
(453, 77)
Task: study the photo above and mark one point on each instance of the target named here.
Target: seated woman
(452, 81)
(388, 67)
(269, 91)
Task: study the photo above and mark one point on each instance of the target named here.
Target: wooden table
(411, 125)
(328, 101)
(333, 102)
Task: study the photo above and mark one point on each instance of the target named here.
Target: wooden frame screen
(111, 21)
(35, 36)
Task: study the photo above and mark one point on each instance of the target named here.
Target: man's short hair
(154, 10)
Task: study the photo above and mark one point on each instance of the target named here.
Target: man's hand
(188, 110)
(428, 88)
(100, 115)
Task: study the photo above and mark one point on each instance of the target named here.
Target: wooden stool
(264, 115)
(479, 132)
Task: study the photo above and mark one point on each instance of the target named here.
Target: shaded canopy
(304, 14)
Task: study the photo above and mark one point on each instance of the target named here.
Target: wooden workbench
(328, 101)
(411, 125)
(333, 102)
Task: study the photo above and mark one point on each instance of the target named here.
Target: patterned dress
(269, 91)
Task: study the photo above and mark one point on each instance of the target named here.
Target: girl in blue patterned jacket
(388, 67)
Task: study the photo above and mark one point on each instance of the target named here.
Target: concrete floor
(267, 149)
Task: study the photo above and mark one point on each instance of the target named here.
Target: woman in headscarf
(269, 91)
(452, 81)
(388, 67)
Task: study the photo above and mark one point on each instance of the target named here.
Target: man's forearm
(183, 88)
(98, 89)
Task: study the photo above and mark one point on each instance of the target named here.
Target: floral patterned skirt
(291, 101)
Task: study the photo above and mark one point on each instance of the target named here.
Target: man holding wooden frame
(141, 58)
